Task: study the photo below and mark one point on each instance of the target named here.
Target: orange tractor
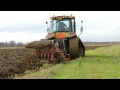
(62, 42)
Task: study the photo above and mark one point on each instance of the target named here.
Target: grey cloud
(24, 27)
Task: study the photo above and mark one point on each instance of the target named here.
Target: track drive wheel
(75, 48)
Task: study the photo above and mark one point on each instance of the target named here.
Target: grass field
(99, 63)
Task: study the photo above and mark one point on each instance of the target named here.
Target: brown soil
(18, 60)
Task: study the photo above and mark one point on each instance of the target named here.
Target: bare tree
(12, 43)
(19, 44)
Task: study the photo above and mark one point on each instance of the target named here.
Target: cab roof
(64, 16)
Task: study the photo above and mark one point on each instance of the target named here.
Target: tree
(12, 43)
(19, 44)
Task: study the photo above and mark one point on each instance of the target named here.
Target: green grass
(99, 63)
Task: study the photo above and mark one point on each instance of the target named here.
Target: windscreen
(63, 25)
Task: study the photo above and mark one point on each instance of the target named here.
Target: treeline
(102, 42)
(12, 43)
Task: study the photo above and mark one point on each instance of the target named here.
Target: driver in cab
(61, 26)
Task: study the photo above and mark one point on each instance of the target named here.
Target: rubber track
(38, 44)
(74, 47)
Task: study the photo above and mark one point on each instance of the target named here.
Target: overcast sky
(27, 26)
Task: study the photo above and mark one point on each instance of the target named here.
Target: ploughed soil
(17, 60)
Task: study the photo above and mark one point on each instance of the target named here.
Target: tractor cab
(61, 27)
(62, 24)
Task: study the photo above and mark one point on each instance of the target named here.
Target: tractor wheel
(82, 50)
(75, 48)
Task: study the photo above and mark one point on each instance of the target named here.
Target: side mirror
(46, 22)
(81, 21)
(49, 29)
(81, 26)
(81, 29)
(47, 26)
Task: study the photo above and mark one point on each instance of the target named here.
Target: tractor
(62, 42)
